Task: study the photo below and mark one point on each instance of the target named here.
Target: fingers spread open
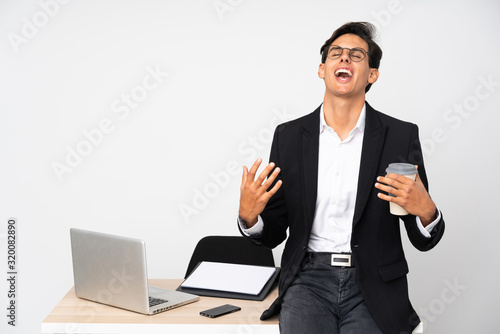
(265, 173)
(244, 175)
(254, 168)
(274, 189)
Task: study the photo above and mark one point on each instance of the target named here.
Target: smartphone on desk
(220, 310)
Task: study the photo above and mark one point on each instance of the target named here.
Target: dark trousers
(325, 299)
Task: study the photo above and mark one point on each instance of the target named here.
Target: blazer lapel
(373, 142)
(309, 152)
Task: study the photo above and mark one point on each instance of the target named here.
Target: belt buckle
(341, 260)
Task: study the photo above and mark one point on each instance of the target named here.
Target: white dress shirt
(338, 172)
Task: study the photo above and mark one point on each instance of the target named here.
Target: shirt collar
(360, 124)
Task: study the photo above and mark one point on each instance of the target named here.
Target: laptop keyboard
(156, 301)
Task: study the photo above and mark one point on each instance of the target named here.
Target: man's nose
(345, 56)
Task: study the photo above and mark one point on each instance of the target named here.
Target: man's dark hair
(367, 32)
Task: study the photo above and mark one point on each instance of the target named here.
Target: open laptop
(112, 270)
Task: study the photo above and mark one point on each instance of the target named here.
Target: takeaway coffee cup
(407, 170)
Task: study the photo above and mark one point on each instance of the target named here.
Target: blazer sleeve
(418, 240)
(275, 215)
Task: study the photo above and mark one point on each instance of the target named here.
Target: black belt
(333, 259)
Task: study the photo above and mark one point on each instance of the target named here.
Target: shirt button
(337, 173)
(333, 202)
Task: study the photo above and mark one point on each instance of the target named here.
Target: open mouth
(343, 73)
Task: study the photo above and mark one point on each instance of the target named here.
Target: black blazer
(381, 266)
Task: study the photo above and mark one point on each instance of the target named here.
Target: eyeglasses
(355, 54)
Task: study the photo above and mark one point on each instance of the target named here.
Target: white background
(235, 69)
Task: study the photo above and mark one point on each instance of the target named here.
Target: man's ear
(321, 71)
(373, 76)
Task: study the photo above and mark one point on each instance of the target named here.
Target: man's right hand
(253, 192)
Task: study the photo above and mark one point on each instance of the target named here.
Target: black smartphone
(220, 310)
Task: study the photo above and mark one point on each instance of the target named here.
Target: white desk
(75, 315)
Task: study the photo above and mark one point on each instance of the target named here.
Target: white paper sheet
(229, 277)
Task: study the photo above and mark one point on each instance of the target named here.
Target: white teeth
(343, 70)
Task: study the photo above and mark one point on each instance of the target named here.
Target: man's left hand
(411, 195)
